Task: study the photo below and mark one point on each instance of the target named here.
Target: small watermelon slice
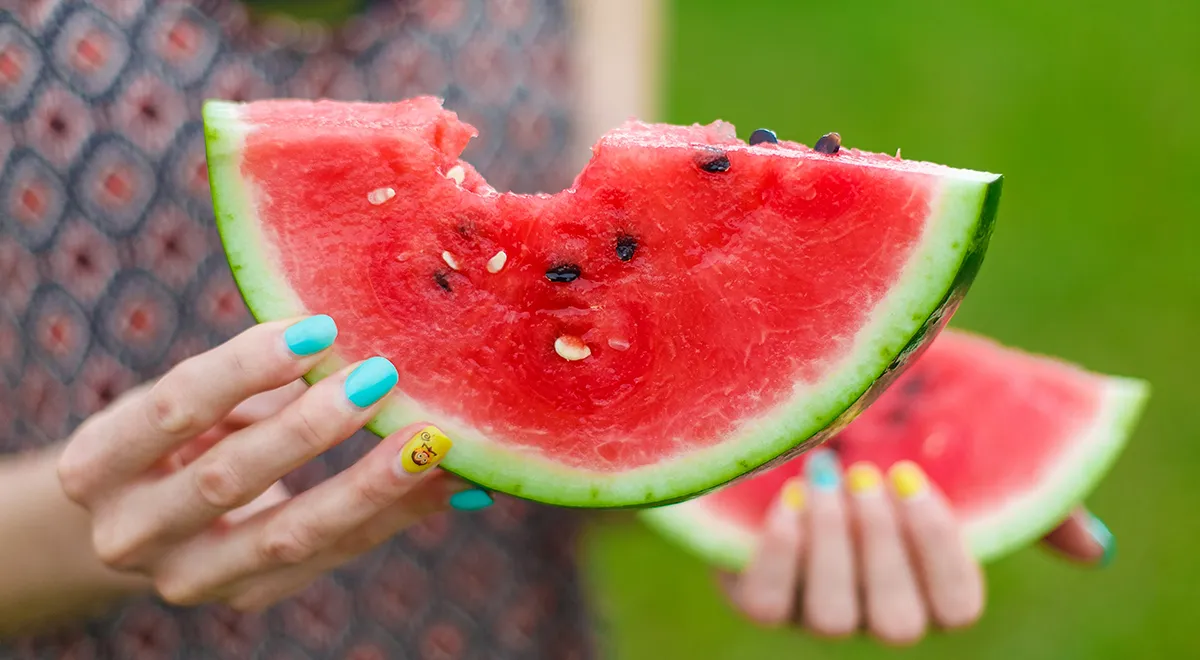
(1013, 439)
(690, 309)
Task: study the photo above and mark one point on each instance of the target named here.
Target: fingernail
(907, 480)
(863, 478)
(370, 381)
(312, 335)
(823, 470)
(424, 450)
(793, 495)
(1105, 538)
(471, 500)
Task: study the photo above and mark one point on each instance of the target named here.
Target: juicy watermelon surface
(733, 300)
(1012, 439)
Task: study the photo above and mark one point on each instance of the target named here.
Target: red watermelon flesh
(1012, 439)
(724, 302)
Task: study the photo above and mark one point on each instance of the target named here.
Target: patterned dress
(111, 271)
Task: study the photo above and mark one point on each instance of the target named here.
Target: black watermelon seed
(563, 273)
(763, 135)
(626, 245)
(440, 278)
(914, 386)
(898, 416)
(829, 143)
(714, 160)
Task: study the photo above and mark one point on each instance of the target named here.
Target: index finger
(129, 438)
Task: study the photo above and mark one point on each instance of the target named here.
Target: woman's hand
(181, 478)
(885, 556)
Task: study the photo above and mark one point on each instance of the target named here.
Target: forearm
(48, 571)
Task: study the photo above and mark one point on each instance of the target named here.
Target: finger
(830, 601)
(246, 413)
(276, 495)
(1082, 537)
(952, 579)
(894, 610)
(321, 521)
(199, 392)
(766, 591)
(243, 465)
(430, 497)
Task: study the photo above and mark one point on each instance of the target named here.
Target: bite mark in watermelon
(692, 308)
(1013, 439)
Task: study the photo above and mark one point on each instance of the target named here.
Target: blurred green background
(1092, 112)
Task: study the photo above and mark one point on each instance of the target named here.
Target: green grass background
(1091, 109)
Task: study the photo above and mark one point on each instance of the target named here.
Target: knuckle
(177, 589)
(308, 430)
(115, 548)
(375, 493)
(832, 625)
(74, 474)
(899, 632)
(288, 544)
(960, 611)
(168, 413)
(239, 362)
(219, 483)
(252, 600)
(766, 611)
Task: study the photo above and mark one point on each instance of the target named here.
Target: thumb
(1082, 538)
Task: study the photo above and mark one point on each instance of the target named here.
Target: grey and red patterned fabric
(111, 272)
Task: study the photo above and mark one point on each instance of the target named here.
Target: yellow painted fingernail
(426, 449)
(863, 478)
(907, 479)
(793, 494)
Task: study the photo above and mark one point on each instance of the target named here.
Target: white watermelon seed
(457, 173)
(497, 262)
(380, 195)
(450, 260)
(571, 348)
(618, 344)
(934, 445)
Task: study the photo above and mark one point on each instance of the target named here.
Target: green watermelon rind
(933, 282)
(1074, 476)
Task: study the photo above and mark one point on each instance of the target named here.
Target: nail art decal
(908, 480)
(863, 478)
(426, 449)
(793, 495)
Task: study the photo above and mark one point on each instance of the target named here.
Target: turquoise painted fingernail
(1105, 538)
(312, 335)
(823, 470)
(370, 381)
(471, 500)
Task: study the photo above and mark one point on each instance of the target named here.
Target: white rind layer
(928, 278)
(1016, 523)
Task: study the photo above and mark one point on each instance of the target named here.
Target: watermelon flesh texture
(1013, 440)
(734, 301)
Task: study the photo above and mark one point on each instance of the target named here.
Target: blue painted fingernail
(471, 500)
(370, 381)
(1105, 538)
(823, 470)
(312, 335)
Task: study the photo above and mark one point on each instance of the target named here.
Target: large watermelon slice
(1013, 439)
(692, 308)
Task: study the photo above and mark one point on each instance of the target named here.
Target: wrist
(53, 572)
